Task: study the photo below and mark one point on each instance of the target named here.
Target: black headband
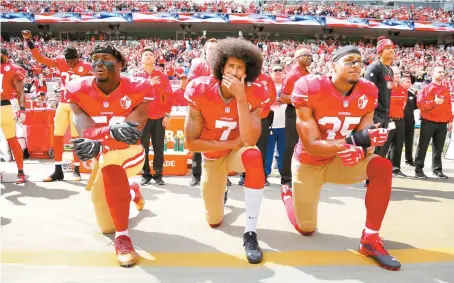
(108, 49)
(341, 52)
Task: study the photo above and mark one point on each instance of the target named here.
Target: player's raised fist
(126, 132)
(26, 34)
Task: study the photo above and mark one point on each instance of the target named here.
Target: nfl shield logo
(106, 104)
(362, 101)
(227, 110)
(81, 69)
(125, 102)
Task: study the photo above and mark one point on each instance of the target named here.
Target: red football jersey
(336, 115)
(68, 74)
(399, 97)
(113, 108)
(271, 87)
(199, 68)
(8, 72)
(220, 116)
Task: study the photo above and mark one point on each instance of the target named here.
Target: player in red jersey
(69, 67)
(12, 80)
(223, 123)
(328, 110)
(109, 111)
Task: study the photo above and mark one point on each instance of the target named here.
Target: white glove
(438, 100)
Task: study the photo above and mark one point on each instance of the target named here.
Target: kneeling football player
(328, 153)
(108, 111)
(223, 123)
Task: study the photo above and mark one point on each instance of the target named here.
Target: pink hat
(382, 43)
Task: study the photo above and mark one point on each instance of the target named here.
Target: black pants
(263, 139)
(395, 143)
(383, 120)
(197, 165)
(409, 140)
(156, 131)
(291, 139)
(437, 132)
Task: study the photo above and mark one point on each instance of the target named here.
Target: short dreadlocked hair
(70, 53)
(108, 48)
(240, 49)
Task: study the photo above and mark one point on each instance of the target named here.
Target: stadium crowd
(338, 9)
(174, 56)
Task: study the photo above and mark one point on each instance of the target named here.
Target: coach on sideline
(434, 101)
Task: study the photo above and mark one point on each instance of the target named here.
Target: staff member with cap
(303, 59)
(434, 101)
(381, 74)
(158, 116)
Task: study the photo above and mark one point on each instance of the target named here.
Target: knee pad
(253, 166)
(379, 167)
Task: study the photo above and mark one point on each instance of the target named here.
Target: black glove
(86, 149)
(361, 138)
(126, 132)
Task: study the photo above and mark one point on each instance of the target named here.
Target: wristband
(22, 108)
(101, 133)
(167, 115)
(30, 44)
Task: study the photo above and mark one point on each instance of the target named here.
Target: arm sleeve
(425, 102)
(43, 59)
(169, 96)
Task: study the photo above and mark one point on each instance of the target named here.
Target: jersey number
(103, 120)
(69, 77)
(337, 125)
(225, 124)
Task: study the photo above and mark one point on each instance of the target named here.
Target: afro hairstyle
(240, 49)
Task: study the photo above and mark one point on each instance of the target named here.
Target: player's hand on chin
(126, 132)
(86, 149)
(235, 86)
(351, 154)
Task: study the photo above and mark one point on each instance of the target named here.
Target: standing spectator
(178, 95)
(277, 136)
(158, 117)
(303, 59)
(409, 119)
(436, 120)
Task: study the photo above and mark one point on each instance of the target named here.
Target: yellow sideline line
(218, 259)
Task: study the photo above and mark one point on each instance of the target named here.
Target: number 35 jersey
(336, 115)
(220, 116)
(113, 108)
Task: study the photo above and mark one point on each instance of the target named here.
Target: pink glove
(378, 137)
(351, 155)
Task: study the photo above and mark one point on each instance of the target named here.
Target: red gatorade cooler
(39, 131)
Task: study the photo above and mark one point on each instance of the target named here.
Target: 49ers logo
(125, 102)
(362, 101)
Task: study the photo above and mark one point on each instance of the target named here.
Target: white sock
(369, 231)
(133, 194)
(253, 199)
(122, 233)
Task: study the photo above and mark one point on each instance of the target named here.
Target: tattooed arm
(193, 127)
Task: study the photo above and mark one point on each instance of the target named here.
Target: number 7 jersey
(220, 116)
(336, 115)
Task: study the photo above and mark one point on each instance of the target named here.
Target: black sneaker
(76, 174)
(410, 163)
(253, 252)
(241, 182)
(420, 175)
(226, 194)
(440, 175)
(159, 181)
(195, 181)
(398, 173)
(56, 176)
(228, 182)
(145, 180)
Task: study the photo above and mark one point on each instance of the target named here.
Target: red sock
(118, 197)
(253, 165)
(17, 151)
(58, 148)
(75, 157)
(379, 171)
